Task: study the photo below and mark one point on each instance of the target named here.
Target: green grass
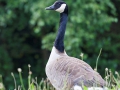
(33, 84)
(113, 81)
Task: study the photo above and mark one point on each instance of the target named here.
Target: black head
(59, 6)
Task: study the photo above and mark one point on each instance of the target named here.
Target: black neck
(59, 41)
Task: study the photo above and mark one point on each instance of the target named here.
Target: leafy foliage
(27, 33)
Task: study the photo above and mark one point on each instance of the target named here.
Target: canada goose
(63, 71)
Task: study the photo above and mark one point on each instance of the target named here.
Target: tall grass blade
(98, 58)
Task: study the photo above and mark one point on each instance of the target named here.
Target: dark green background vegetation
(27, 33)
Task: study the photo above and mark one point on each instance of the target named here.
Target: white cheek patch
(61, 9)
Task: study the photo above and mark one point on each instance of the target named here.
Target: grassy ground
(112, 80)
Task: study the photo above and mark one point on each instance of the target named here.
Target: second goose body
(63, 71)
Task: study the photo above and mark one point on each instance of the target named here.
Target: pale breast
(51, 68)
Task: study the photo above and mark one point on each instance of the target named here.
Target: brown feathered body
(64, 71)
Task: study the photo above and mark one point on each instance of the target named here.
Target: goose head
(59, 6)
